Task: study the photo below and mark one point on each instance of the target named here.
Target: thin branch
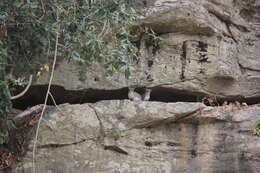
(55, 104)
(46, 98)
(103, 30)
(24, 91)
(101, 130)
(43, 8)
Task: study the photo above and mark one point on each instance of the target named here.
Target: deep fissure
(36, 95)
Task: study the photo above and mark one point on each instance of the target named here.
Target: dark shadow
(36, 95)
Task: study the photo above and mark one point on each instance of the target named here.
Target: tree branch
(25, 90)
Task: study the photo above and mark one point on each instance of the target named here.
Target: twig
(24, 91)
(43, 8)
(46, 97)
(103, 30)
(55, 104)
(101, 130)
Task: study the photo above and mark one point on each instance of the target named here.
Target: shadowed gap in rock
(36, 95)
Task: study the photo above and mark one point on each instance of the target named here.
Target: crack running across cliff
(36, 95)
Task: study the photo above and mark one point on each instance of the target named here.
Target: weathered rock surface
(209, 47)
(122, 136)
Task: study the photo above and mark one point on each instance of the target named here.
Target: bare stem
(46, 98)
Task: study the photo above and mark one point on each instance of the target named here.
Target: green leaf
(117, 132)
(18, 3)
(2, 141)
(258, 124)
(110, 72)
(127, 73)
(3, 138)
(10, 125)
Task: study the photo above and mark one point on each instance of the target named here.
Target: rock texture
(209, 47)
(122, 136)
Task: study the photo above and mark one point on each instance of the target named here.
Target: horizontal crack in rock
(57, 145)
(160, 93)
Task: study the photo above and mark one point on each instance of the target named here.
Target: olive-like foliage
(89, 31)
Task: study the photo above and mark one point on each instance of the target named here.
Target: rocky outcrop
(146, 137)
(208, 47)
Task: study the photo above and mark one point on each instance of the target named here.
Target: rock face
(146, 137)
(208, 47)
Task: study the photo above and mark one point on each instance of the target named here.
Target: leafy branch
(89, 31)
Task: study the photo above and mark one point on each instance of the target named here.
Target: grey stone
(209, 47)
(154, 138)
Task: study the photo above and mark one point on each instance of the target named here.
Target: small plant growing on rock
(117, 132)
(256, 130)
